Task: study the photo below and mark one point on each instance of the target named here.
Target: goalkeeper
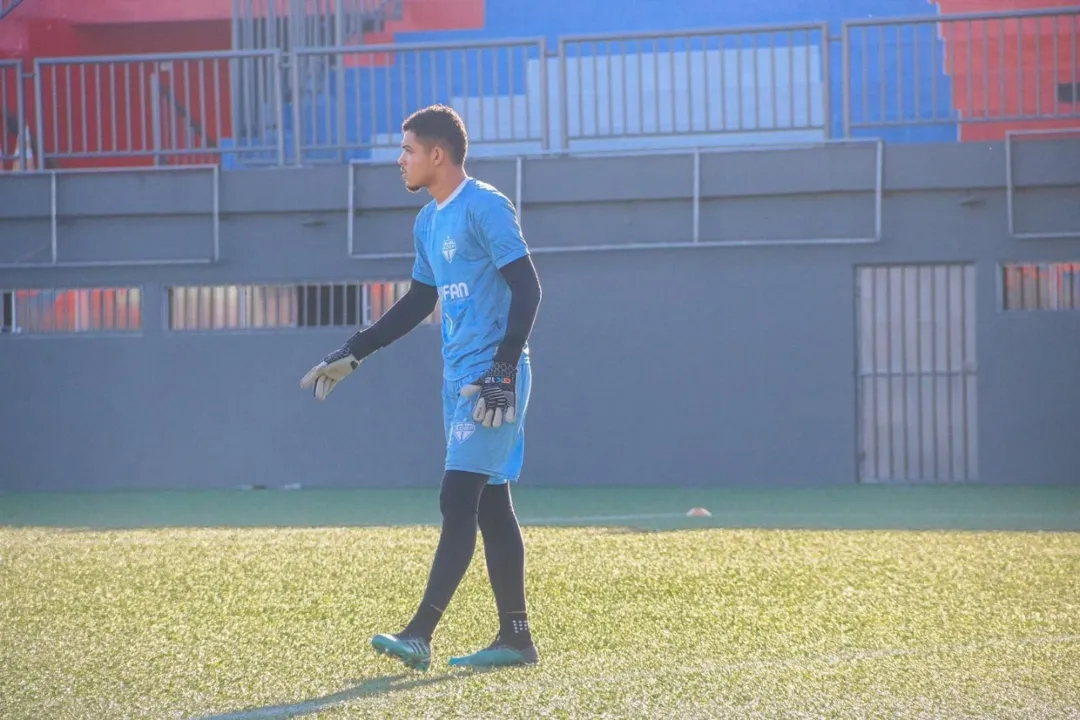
(470, 253)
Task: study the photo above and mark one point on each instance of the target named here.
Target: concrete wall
(671, 363)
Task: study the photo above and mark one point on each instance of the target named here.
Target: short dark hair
(440, 124)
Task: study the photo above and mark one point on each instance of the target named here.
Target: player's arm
(498, 227)
(402, 317)
(525, 296)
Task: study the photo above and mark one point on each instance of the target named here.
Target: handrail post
(845, 77)
(826, 85)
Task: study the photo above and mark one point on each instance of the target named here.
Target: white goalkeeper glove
(497, 390)
(334, 368)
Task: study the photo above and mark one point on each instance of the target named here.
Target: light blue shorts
(471, 447)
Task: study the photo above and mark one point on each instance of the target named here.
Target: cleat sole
(487, 659)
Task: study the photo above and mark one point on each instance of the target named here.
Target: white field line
(602, 518)
(789, 515)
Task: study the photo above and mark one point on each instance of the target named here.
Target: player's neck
(445, 186)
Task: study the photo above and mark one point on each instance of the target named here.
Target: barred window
(1041, 286)
(294, 305)
(43, 311)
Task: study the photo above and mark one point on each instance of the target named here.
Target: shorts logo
(454, 291)
(449, 249)
(463, 431)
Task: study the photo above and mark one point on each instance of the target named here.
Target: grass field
(852, 603)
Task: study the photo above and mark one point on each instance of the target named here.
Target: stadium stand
(253, 83)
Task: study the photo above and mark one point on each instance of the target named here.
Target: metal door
(916, 373)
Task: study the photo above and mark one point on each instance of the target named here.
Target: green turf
(174, 622)
(971, 507)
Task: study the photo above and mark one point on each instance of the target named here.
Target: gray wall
(726, 364)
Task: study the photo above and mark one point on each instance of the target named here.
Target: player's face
(417, 163)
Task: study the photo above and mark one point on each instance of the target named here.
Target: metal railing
(1011, 185)
(287, 25)
(700, 82)
(6, 6)
(161, 109)
(699, 200)
(58, 258)
(14, 134)
(971, 68)
(696, 88)
(350, 99)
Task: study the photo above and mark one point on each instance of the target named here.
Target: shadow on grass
(366, 688)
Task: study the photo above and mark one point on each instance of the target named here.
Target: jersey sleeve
(422, 271)
(497, 228)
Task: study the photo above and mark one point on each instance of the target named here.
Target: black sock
(423, 622)
(458, 500)
(504, 549)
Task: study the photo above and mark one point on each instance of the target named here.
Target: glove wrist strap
(504, 368)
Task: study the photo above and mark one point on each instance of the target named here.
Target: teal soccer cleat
(498, 654)
(413, 651)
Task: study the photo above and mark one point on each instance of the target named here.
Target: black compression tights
(468, 502)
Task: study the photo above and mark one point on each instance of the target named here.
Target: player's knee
(460, 494)
(495, 508)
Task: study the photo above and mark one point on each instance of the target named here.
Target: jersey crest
(463, 431)
(449, 249)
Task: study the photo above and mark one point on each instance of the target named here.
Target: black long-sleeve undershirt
(525, 294)
(397, 321)
(420, 300)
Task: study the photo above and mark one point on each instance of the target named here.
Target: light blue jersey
(460, 247)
